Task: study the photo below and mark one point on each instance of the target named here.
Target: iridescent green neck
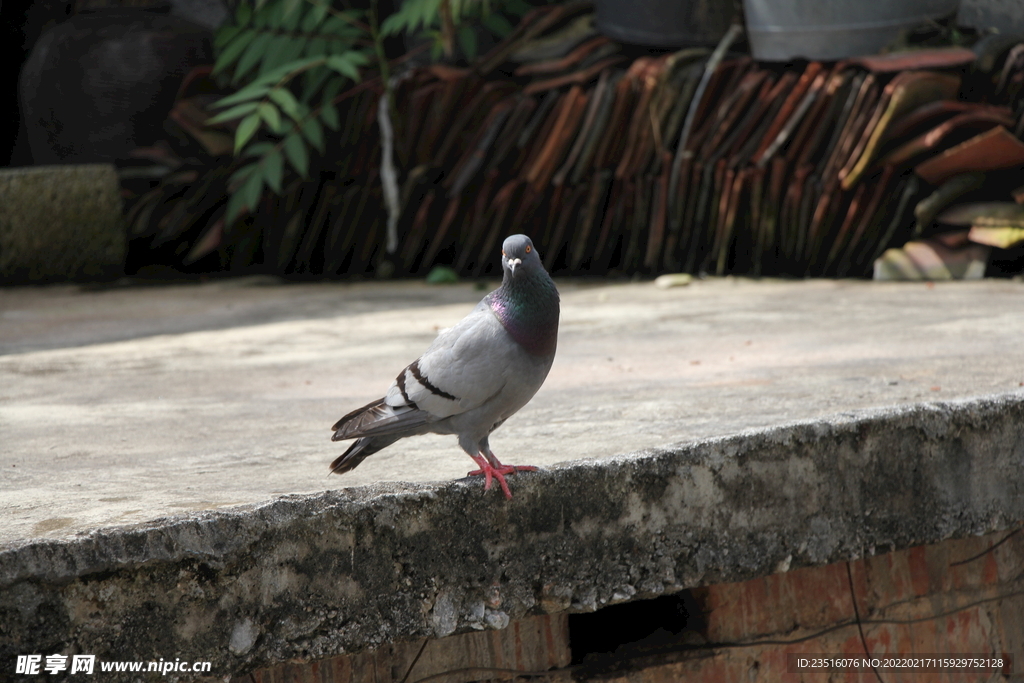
(527, 306)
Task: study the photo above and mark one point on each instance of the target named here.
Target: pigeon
(474, 376)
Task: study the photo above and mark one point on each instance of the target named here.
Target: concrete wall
(61, 223)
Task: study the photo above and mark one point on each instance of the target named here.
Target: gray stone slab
(61, 223)
(163, 494)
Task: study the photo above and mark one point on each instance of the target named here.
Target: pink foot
(498, 472)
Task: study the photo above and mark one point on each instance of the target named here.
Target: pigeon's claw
(497, 471)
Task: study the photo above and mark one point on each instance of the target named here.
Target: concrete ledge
(306, 577)
(61, 223)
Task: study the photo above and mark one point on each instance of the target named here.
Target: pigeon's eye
(528, 248)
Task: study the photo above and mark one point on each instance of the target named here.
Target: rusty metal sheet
(419, 101)
(473, 158)
(959, 185)
(569, 214)
(933, 58)
(503, 200)
(472, 112)
(1014, 62)
(597, 98)
(868, 218)
(930, 115)
(535, 22)
(613, 139)
(789, 105)
(511, 132)
(992, 150)
(967, 214)
(569, 116)
(811, 131)
(581, 76)
(475, 222)
(601, 256)
(939, 137)
(733, 110)
(806, 102)
(855, 118)
(906, 92)
(595, 201)
(638, 137)
(536, 129)
(567, 62)
(732, 194)
(595, 133)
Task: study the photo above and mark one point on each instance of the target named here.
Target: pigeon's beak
(512, 263)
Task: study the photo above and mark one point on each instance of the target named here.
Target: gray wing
(464, 367)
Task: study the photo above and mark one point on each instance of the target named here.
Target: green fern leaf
(225, 34)
(273, 170)
(290, 6)
(261, 15)
(243, 15)
(329, 113)
(344, 65)
(467, 41)
(294, 49)
(269, 113)
(314, 132)
(497, 24)
(412, 15)
(259, 149)
(252, 190)
(236, 207)
(338, 26)
(277, 53)
(246, 129)
(315, 16)
(290, 20)
(233, 49)
(315, 79)
(233, 113)
(517, 8)
(250, 92)
(298, 156)
(315, 46)
(253, 54)
(239, 176)
(284, 99)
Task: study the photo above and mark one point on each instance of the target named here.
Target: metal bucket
(782, 30)
(664, 23)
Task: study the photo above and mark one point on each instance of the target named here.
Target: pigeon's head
(519, 254)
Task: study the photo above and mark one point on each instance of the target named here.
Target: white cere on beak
(512, 263)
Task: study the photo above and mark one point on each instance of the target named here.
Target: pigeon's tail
(379, 419)
(374, 426)
(359, 451)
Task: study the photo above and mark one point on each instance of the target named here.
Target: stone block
(61, 223)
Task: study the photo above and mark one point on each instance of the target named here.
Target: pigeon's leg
(490, 467)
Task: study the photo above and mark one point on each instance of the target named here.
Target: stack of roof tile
(619, 163)
(802, 170)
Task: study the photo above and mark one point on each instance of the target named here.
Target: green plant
(295, 60)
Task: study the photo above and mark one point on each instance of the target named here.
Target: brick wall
(925, 600)
(900, 597)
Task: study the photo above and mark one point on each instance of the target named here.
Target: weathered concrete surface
(61, 223)
(131, 430)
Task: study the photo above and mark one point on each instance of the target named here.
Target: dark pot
(664, 23)
(102, 83)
